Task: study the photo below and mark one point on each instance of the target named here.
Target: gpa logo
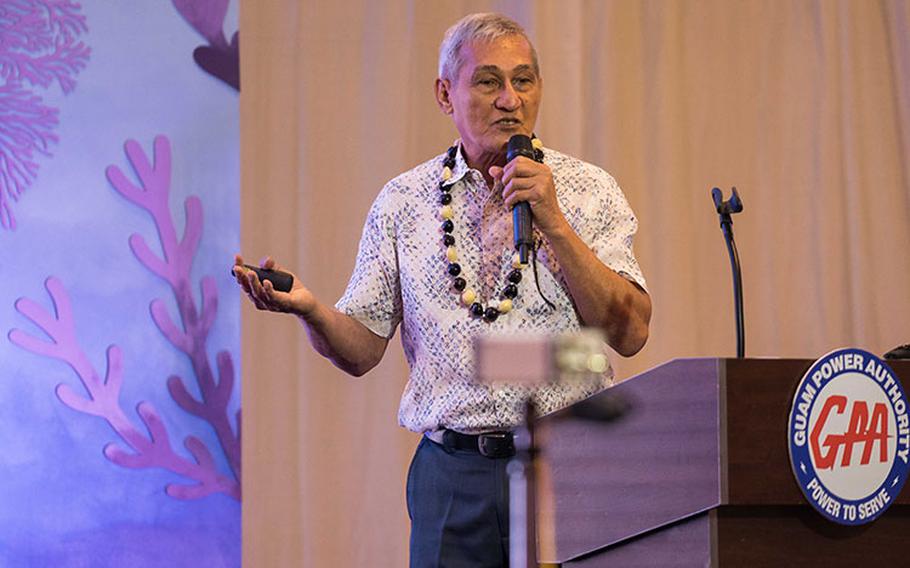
(849, 436)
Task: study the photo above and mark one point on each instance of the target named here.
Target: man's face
(494, 95)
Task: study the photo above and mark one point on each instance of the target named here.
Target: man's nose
(508, 98)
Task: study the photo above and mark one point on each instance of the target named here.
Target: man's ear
(442, 96)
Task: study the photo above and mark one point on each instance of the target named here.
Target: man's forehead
(505, 54)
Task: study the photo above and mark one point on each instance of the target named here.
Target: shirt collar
(462, 170)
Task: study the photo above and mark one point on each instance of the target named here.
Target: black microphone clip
(728, 207)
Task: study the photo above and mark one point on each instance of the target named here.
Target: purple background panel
(119, 398)
(39, 49)
(219, 58)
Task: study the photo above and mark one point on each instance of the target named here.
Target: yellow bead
(468, 297)
(446, 173)
(446, 212)
(536, 143)
(516, 261)
(505, 306)
(451, 254)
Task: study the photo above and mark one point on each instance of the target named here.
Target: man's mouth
(508, 122)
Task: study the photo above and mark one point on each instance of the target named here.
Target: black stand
(725, 209)
(522, 528)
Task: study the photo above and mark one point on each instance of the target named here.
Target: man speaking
(437, 256)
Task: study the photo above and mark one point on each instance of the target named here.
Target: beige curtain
(803, 106)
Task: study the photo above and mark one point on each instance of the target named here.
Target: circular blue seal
(849, 436)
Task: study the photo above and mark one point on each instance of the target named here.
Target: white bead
(446, 212)
(446, 173)
(505, 306)
(468, 297)
(451, 254)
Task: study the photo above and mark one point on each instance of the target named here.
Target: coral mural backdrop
(39, 47)
(119, 394)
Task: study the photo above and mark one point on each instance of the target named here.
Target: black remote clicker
(282, 281)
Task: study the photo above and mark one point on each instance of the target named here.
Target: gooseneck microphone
(520, 145)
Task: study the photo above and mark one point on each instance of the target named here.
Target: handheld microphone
(520, 145)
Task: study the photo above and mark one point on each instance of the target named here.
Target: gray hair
(485, 27)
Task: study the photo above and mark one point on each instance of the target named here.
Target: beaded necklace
(468, 296)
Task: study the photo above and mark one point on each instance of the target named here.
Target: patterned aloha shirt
(400, 277)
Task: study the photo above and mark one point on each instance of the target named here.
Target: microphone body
(522, 228)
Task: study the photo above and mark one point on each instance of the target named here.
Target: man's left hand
(523, 179)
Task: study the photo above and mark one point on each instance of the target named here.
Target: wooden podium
(696, 472)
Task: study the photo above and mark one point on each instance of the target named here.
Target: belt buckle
(496, 445)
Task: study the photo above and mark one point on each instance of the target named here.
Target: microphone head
(519, 145)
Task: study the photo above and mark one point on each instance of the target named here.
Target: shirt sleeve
(611, 228)
(373, 295)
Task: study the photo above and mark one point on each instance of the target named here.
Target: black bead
(491, 314)
(476, 310)
(450, 153)
(510, 291)
(515, 276)
(448, 226)
(445, 198)
(448, 240)
(460, 284)
(443, 187)
(454, 269)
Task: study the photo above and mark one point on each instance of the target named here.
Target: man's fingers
(258, 299)
(248, 281)
(242, 278)
(520, 167)
(259, 305)
(255, 286)
(519, 184)
(519, 195)
(238, 269)
(262, 293)
(269, 291)
(515, 176)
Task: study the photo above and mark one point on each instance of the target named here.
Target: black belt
(491, 445)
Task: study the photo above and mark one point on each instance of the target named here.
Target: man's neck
(481, 161)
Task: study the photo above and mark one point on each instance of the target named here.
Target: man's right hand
(349, 344)
(299, 301)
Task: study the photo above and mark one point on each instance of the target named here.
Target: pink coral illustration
(39, 46)
(153, 449)
(219, 58)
